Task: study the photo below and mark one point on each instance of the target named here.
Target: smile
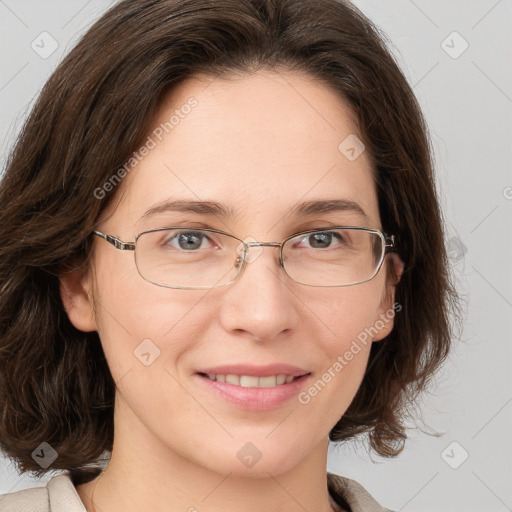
(250, 381)
(254, 393)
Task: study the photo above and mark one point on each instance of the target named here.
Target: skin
(259, 143)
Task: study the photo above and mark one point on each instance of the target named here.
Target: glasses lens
(338, 257)
(197, 258)
(187, 257)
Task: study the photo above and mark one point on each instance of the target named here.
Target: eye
(187, 240)
(324, 239)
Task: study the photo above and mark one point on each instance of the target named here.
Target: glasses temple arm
(118, 244)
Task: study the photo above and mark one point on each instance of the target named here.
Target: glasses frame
(388, 244)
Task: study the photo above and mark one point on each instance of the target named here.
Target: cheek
(348, 314)
(346, 320)
(141, 324)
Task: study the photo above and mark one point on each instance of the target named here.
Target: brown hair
(95, 110)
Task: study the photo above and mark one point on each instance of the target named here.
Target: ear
(387, 307)
(75, 293)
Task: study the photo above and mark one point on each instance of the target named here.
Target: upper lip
(256, 371)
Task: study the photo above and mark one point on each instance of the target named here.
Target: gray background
(467, 99)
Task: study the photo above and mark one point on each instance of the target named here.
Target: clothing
(59, 495)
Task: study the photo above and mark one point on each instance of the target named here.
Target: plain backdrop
(457, 54)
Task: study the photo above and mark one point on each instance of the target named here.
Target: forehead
(260, 144)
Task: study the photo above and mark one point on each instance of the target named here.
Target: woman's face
(260, 145)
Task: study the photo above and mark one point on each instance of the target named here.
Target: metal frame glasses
(387, 245)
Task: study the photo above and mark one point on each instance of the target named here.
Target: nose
(260, 301)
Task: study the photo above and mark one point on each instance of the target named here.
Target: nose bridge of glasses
(261, 244)
(274, 244)
(252, 256)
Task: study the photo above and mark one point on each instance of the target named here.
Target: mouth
(253, 381)
(252, 392)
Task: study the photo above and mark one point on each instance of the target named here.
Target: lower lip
(255, 399)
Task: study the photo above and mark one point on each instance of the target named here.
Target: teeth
(248, 381)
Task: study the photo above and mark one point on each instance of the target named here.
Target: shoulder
(346, 490)
(27, 500)
(58, 495)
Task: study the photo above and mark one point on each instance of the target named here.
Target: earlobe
(76, 300)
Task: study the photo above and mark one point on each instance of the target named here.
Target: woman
(268, 166)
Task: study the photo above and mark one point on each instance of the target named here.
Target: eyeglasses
(191, 258)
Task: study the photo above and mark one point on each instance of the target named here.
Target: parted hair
(95, 111)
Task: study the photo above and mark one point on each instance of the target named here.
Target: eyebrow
(214, 208)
